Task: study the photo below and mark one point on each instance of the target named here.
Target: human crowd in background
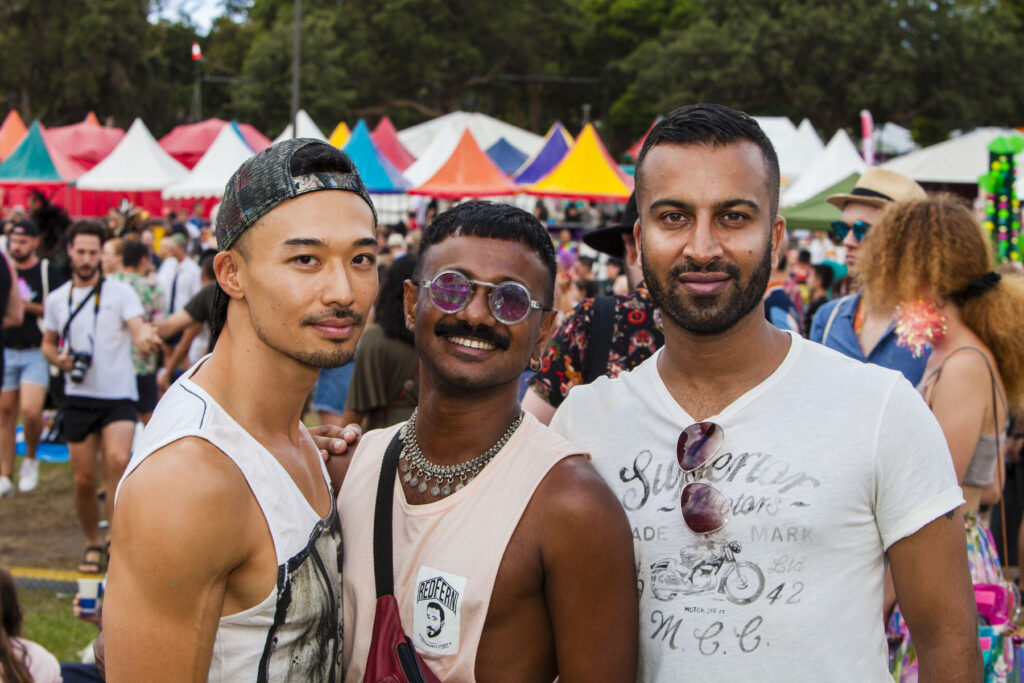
(115, 310)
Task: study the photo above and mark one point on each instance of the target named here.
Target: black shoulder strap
(383, 561)
(602, 325)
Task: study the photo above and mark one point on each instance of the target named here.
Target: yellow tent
(340, 135)
(586, 172)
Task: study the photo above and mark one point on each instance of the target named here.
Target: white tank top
(446, 553)
(295, 633)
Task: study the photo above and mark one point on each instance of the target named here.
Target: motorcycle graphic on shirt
(703, 568)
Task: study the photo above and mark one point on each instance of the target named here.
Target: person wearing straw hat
(844, 325)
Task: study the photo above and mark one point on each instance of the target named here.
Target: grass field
(49, 622)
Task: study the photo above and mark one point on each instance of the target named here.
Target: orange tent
(469, 172)
(12, 132)
(587, 172)
(91, 120)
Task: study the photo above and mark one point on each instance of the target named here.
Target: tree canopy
(931, 65)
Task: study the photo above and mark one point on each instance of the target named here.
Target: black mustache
(481, 332)
(712, 267)
(334, 313)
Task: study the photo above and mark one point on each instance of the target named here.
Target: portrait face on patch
(435, 619)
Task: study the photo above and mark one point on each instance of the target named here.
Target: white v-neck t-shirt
(826, 463)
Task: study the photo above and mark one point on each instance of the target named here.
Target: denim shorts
(332, 388)
(25, 365)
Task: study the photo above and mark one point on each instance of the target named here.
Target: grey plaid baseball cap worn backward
(265, 180)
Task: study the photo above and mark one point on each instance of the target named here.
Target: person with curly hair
(931, 260)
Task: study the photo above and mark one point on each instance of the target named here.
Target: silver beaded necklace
(417, 470)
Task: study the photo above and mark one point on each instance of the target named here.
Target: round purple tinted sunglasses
(451, 291)
(705, 509)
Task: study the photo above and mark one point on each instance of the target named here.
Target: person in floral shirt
(636, 331)
(134, 258)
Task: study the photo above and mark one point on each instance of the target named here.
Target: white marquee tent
(433, 157)
(137, 164)
(211, 173)
(486, 131)
(800, 152)
(837, 161)
(779, 129)
(307, 128)
(957, 160)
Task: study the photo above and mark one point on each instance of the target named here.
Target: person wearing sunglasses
(512, 559)
(764, 510)
(844, 324)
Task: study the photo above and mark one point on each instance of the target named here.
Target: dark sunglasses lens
(705, 509)
(697, 444)
(860, 229)
(510, 303)
(450, 291)
(839, 231)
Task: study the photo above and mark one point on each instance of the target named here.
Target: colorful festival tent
(586, 172)
(839, 159)
(12, 131)
(306, 127)
(91, 119)
(816, 213)
(385, 137)
(486, 131)
(468, 172)
(86, 143)
(188, 143)
(428, 163)
(379, 175)
(35, 160)
(340, 135)
(506, 156)
(634, 151)
(557, 144)
(208, 177)
(800, 152)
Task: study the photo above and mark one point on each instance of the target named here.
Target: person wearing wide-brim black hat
(605, 335)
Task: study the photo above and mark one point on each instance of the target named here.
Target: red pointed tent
(469, 172)
(634, 151)
(188, 143)
(385, 137)
(12, 132)
(85, 143)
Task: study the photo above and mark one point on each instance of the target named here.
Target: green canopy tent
(816, 213)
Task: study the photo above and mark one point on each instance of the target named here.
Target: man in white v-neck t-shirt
(767, 480)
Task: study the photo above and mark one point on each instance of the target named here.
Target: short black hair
(390, 309)
(322, 158)
(494, 221)
(717, 126)
(86, 228)
(133, 252)
(825, 275)
(437, 606)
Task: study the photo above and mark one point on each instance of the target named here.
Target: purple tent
(557, 144)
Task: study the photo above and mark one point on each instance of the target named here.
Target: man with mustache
(91, 324)
(502, 531)
(771, 478)
(226, 548)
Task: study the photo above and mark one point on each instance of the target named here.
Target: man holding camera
(91, 324)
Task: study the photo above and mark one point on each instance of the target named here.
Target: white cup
(89, 593)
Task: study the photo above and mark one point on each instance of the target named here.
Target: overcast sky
(201, 12)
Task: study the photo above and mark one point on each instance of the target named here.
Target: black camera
(80, 362)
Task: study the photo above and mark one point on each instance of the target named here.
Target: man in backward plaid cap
(226, 551)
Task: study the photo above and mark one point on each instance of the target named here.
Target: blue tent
(506, 156)
(557, 144)
(379, 175)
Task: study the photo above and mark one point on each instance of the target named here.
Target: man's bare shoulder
(191, 496)
(573, 497)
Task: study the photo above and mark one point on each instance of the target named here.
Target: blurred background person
(21, 660)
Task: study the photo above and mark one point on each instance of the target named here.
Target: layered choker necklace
(417, 470)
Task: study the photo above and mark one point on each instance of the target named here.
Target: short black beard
(702, 316)
(24, 258)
